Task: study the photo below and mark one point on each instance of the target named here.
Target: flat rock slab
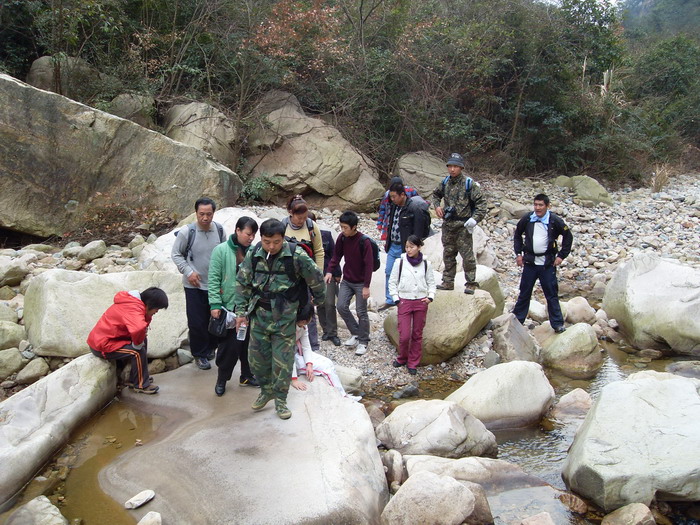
(217, 461)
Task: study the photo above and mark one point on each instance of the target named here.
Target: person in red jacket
(121, 333)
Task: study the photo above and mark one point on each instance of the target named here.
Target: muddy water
(116, 429)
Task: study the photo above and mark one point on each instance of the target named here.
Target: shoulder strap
(310, 227)
(444, 182)
(220, 228)
(425, 266)
(191, 232)
(289, 262)
(400, 267)
(467, 184)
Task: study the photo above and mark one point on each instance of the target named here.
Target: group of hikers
(264, 297)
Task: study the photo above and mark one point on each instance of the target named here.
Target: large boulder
(574, 352)
(248, 461)
(13, 269)
(655, 302)
(512, 341)
(454, 318)
(38, 420)
(204, 127)
(507, 395)
(305, 155)
(586, 189)
(70, 76)
(136, 108)
(61, 307)
(636, 443)
(422, 171)
(39, 511)
(49, 138)
(10, 334)
(430, 498)
(436, 427)
(579, 311)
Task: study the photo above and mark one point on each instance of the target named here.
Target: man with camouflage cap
(463, 206)
(271, 283)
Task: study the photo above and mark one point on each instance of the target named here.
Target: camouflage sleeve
(312, 275)
(244, 286)
(438, 194)
(479, 199)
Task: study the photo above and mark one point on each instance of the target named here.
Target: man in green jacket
(223, 267)
(271, 282)
(463, 206)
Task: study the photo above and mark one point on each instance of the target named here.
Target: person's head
(272, 236)
(348, 223)
(455, 164)
(304, 314)
(394, 180)
(413, 245)
(397, 193)
(204, 209)
(155, 299)
(541, 204)
(298, 210)
(246, 228)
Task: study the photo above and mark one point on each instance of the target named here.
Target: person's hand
(298, 384)
(327, 278)
(337, 280)
(365, 292)
(439, 212)
(241, 321)
(519, 260)
(470, 224)
(193, 279)
(426, 300)
(558, 261)
(215, 313)
(309, 372)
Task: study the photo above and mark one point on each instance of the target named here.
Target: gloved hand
(470, 224)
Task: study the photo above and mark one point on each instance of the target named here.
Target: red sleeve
(136, 324)
(368, 262)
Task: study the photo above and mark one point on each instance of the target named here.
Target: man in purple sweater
(357, 275)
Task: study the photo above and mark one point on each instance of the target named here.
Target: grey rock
(35, 370)
(39, 511)
(10, 362)
(8, 314)
(92, 250)
(11, 334)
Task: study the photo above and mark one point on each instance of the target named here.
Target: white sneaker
(350, 342)
(361, 349)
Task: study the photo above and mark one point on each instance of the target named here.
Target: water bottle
(242, 331)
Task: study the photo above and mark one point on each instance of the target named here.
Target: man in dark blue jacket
(539, 255)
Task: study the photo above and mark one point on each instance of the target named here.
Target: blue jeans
(548, 279)
(394, 253)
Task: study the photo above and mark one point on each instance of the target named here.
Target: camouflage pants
(456, 239)
(271, 351)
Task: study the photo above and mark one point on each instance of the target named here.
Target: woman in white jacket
(412, 287)
(310, 363)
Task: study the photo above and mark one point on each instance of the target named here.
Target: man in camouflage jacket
(463, 206)
(268, 298)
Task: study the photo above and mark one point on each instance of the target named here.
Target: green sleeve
(215, 279)
(438, 194)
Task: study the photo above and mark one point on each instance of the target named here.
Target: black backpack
(307, 245)
(423, 208)
(192, 231)
(375, 251)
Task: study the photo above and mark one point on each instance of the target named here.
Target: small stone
(140, 499)
(151, 518)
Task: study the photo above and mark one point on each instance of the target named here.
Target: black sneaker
(559, 329)
(335, 340)
(202, 363)
(325, 337)
(397, 364)
(412, 371)
(248, 381)
(220, 388)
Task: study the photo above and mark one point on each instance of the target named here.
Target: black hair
(415, 240)
(154, 298)
(397, 187)
(305, 312)
(204, 201)
(395, 179)
(272, 227)
(296, 205)
(312, 216)
(542, 197)
(247, 222)
(350, 218)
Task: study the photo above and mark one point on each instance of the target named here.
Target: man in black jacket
(405, 218)
(539, 257)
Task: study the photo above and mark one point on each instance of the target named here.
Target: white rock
(512, 341)
(496, 396)
(574, 352)
(633, 446)
(579, 311)
(92, 250)
(12, 270)
(140, 499)
(151, 518)
(11, 334)
(39, 511)
(36, 421)
(436, 427)
(575, 404)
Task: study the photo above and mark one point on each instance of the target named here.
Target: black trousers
(139, 363)
(197, 308)
(231, 350)
(548, 280)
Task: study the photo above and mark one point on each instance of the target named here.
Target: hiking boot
(412, 371)
(132, 385)
(202, 363)
(350, 342)
(445, 286)
(261, 401)
(248, 381)
(220, 388)
(397, 364)
(559, 329)
(470, 287)
(150, 389)
(281, 408)
(361, 349)
(335, 340)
